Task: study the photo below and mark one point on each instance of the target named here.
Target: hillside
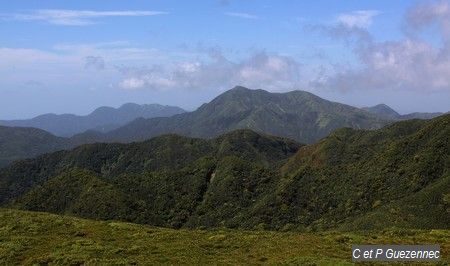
(19, 143)
(102, 119)
(27, 239)
(297, 115)
(394, 176)
(399, 174)
(160, 181)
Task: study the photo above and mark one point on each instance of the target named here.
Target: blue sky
(73, 56)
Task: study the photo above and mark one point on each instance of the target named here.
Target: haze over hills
(23, 142)
(299, 115)
(102, 119)
(395, 176)
(384, 111)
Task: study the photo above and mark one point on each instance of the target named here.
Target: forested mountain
(298, 115)
(102, 119)
(398, 175)
(360, 179)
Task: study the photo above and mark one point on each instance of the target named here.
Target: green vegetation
(33, 238)
(397, 176)
(167, 181)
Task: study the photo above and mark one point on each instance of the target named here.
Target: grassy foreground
(42, 238)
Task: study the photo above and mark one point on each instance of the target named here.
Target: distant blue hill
(384, 111)
(103, 119)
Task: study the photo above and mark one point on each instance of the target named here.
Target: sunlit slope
(400, 172)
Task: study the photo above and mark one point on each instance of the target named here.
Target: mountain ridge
(387, 112)
(25, 142)
(298, 115)
(102, 118)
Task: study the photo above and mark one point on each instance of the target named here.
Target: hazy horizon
(88, 111)
(72, 57)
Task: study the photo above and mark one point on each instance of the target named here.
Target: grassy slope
(41, 238)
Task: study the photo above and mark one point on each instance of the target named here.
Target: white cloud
(80, 55)
(65, 65)
(261, 70)
(75, 17)
(115, 52)
(132, 83)
(241, 15)
(358, 19)
(411, 63)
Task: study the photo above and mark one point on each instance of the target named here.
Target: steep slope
(350, 179)
(20, 142)
(298, 115)
(102, 119)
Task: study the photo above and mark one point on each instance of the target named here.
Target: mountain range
(297, 115)
(398, 175)
(102, 119)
